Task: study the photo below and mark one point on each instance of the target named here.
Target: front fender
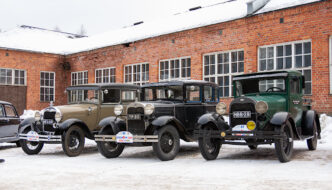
(280, 118)
(116, 124)
(308, 122)
(216, 119)
(69, 122)
(28, 122)
(164, 120)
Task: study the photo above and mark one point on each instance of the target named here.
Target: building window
(78, 78)
(47, 85)
(175, 69)
(12, 77)
(105, 75)
(137, 73)
(220, 67)
(287, 56)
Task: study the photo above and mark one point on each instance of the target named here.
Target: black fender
(217, 120)
(115, 123)
(26, 123)
(280, 118)
(64, 126)
(308, 119)
(164, 120)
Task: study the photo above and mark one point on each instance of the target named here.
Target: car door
(295, 99)
(194, 107)
(210, 99)
(10, 121)
(110, 98)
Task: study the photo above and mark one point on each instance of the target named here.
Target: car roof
(178, 83)
(270, 74)
(4, 102)
(96, 86)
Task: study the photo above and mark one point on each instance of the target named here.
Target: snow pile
(326, 126)
(27, 114)
(32, 39)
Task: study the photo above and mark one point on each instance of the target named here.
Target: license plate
(242, 114)
(124, 137)
(134, 116)
(32, 136)
(240, 128)
(48, 122)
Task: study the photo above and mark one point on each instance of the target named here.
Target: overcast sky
(96, 16)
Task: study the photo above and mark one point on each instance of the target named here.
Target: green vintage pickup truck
(267, 108)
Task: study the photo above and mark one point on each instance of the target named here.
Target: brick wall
(308, 22)
(33, 63)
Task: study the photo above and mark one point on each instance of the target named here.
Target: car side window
(295, 86)
(209, 94)
(193, 93)
(10, 112)
(111, 96)
(2, 114)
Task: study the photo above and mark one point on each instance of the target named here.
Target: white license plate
(240, 128)
(124, 137)
(242, 114)
(48, 122)
(134, 117)
(32, 136)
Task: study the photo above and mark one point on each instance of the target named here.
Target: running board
(136, 138)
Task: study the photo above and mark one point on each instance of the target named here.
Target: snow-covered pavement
(237, 167)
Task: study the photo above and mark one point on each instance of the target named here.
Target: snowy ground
(237, 167)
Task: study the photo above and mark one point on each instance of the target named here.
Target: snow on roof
(31, 39)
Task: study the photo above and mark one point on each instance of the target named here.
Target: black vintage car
(9, 121)
(168, 112)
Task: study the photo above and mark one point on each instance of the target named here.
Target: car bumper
(136, 138)
(41, 138)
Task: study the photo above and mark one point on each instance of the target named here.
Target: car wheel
(30, 147)
(284, 147)
(109, 149)
(73, 141)
(209, 147)
(168, 144)
(312, 143)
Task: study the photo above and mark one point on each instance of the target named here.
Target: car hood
(79, 111)
(275, 102)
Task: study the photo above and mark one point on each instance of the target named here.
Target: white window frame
(330, 50)
(49, 72)
(13, 76)
(77, 73)
(102, 75)
(292, 43)
(140, 81)
(169, 69)
(230, 74)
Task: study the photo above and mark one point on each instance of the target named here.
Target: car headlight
(118, 110)
(148, 109)
(37, 116)
(221, 108)
(261, 107)
(57, 117)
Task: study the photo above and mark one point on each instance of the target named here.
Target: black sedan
(9, 121)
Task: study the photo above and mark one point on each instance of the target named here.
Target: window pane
(280, 51)
(226, 68)
(206, 60)
(234, 56)
(288, 50)
(241, 67)
(262, 53)
(262, 65)
(288, 62)
(234, 67)
(298, 49)
(269, 64)
(307, 47)
(307, 75)
(298, 61)
(307, 89)
(280, 62)
(241, 55)
(270, 52)
(307, 60)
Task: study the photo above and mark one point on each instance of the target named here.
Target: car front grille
(246, 106)
(49, 115)
(136, 127)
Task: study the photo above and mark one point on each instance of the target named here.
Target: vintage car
(167, 113)
(9, 121)
(267, 108)
(70, 124)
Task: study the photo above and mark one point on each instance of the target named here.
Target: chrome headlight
(148, 109)
(118, 110)
(37, 116)
(261, 107)
(57, 117)
(221, 108)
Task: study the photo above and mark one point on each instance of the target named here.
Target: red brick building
(271, 35)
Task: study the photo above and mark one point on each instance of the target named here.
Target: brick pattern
(308, 22)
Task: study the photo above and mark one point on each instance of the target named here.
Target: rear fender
(308, 122)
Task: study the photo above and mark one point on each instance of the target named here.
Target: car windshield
(163, 93)
(83, 96)
(260, 85)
